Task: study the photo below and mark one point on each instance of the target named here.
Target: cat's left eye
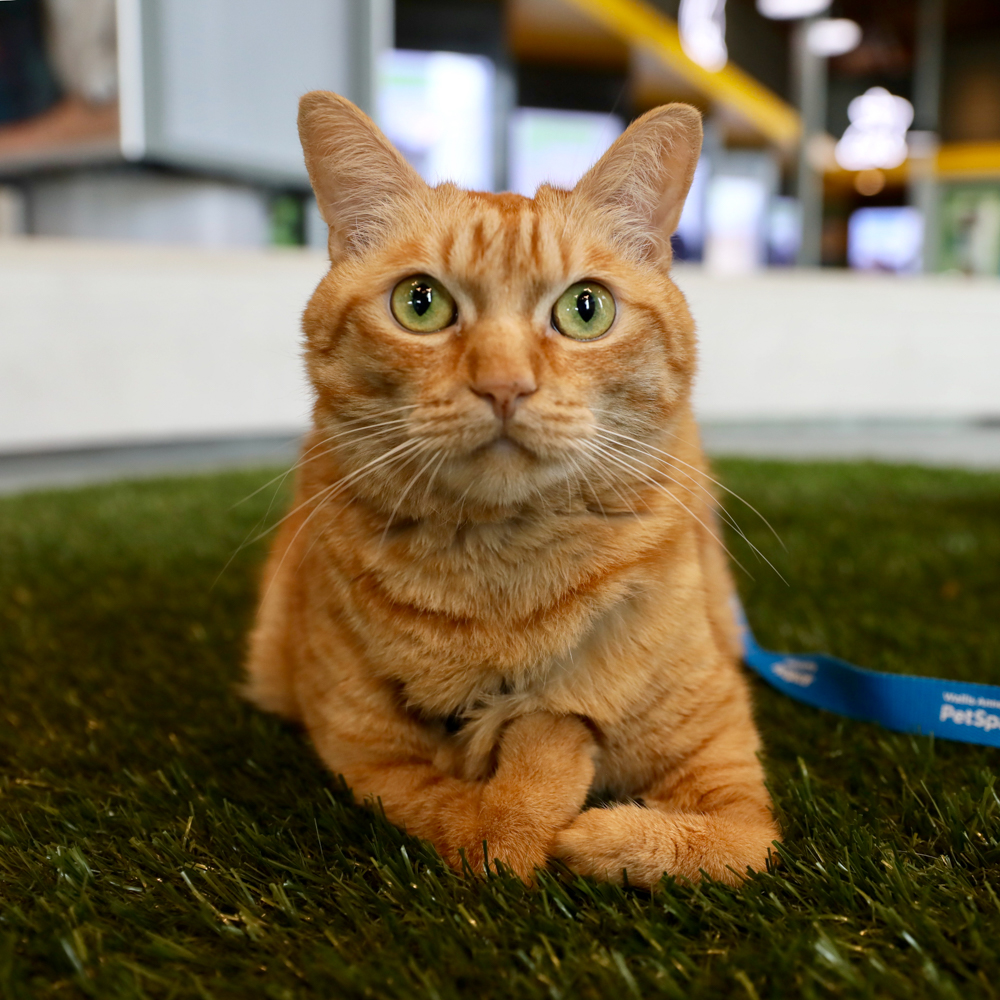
(585, 311)
(421, 304)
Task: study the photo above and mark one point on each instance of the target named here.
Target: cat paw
(641, 845)
(606, 844)
(548, 762)
(543, 776)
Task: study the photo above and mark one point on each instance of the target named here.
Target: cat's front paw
(548, 762)
(544, 772)
(605, 843)
(641, 845)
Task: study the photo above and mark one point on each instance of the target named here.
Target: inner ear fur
(358, 176)
(643, 179)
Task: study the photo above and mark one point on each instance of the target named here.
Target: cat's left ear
(643, 179)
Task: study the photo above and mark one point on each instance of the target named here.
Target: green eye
(584, 311)
(422, 305)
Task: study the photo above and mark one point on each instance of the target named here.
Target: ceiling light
(876, 137)
(702, 26)
(786, 10)
(833, 36)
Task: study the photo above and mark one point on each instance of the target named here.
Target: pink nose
(504, 394)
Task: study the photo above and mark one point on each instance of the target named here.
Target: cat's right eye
(421, 304)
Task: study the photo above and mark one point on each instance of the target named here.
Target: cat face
(479, 346)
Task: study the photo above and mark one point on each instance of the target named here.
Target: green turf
(159, 838)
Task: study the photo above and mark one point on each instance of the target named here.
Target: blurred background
(840, 246)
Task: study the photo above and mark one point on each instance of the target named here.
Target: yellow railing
(644, 26)
(969, 159)
(956, 161)
(640, 24)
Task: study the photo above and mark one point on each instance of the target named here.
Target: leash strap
(954, 710)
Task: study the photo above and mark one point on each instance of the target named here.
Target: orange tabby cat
(499, 588)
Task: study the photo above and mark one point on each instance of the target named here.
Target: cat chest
(591, 663)
(451, 640)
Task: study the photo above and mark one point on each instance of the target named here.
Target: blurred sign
(885, 239)
(736, 218)
(740, 188)
(784, 231)
(970, 229)
(556, 147)
(689, 240)
(438, 109)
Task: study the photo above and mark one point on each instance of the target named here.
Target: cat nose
(505, 394)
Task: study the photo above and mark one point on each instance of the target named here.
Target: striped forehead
(504, 242)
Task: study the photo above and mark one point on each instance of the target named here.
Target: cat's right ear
(358, 176)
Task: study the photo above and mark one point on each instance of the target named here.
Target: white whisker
(304, 457)
(611, 483)
(433, 475)
(325, 495)
(621, 463)
(406, 446)
(680, 461)
(713, 503)
(407, 488)
(333, 486)
(729, 518)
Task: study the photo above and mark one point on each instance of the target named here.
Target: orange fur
(483, 614)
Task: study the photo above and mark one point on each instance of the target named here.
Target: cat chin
(504, 446)
(502, 455)
(497, 474)
(503, 476)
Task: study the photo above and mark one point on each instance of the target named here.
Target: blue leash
(954, 710)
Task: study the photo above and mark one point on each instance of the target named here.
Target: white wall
(103, 343)
(840, 344)
(127, 342)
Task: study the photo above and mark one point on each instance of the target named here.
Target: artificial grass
(160, 838)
